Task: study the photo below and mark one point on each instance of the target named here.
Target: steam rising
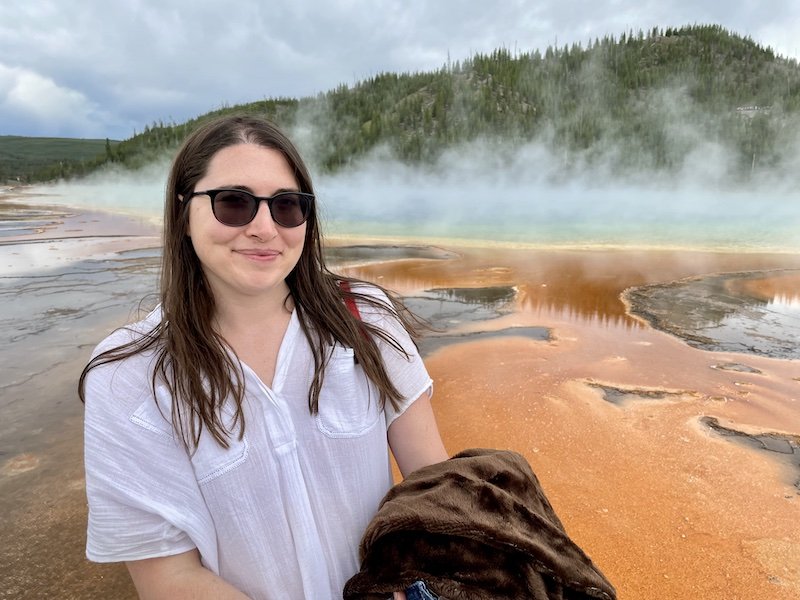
(521, 196)
(139, 192)
(535, 193)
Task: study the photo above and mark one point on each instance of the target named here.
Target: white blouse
(279, 514)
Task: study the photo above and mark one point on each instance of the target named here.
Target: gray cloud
(100, 69)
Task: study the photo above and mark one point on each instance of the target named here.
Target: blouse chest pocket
(210, 459)
(348, 405)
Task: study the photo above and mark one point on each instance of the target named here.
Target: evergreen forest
(649, 95)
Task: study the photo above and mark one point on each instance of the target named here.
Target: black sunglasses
(236, 207)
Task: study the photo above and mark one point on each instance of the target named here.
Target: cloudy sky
(100, 68)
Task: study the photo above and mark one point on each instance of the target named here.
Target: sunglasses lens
(234, 208)
(289, 209)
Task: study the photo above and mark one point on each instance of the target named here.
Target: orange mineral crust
(674, 468)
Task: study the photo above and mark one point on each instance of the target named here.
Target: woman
(236, 439)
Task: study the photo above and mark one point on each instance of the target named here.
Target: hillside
(26, 158)
(644, 100)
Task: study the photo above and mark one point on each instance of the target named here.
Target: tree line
(650, 95)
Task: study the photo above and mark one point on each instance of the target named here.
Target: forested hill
(651, 96)
(26, 158)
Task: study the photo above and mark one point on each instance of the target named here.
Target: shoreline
(457, 242)
(17, 195)
(663, 504)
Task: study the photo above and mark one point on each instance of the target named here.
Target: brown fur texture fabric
(475, 527)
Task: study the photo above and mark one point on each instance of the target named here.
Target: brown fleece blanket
(475, 527)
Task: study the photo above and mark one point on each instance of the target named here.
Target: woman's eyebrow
(249, 190)
(233, 186)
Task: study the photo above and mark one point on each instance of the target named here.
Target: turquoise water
(525, 214)
(740, 221)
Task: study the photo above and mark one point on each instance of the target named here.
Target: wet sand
(613, 415)
(66, 279)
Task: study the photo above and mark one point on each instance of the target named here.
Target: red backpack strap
(349, 301)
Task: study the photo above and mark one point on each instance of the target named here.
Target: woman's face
(253, 259)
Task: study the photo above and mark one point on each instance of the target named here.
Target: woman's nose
(262, 225)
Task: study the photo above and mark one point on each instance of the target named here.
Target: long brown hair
(193, 360)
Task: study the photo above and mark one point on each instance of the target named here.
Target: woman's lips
(259, 254)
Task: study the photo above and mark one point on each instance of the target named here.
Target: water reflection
(371, 253)
(571, 286)
(25, 219)
(51, 317)
(485, 296)
(785, 303)
(589, 302)
(738, 312)
(754, 311)
(448, 309)
(445, 309)
(37, 238)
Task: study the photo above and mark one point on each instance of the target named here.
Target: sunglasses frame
(212, 194)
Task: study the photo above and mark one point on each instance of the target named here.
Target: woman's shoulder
(374, 303)
(130, 333)
(370, 293)
(121, 380)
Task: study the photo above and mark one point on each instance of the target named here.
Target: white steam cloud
(531, 194)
